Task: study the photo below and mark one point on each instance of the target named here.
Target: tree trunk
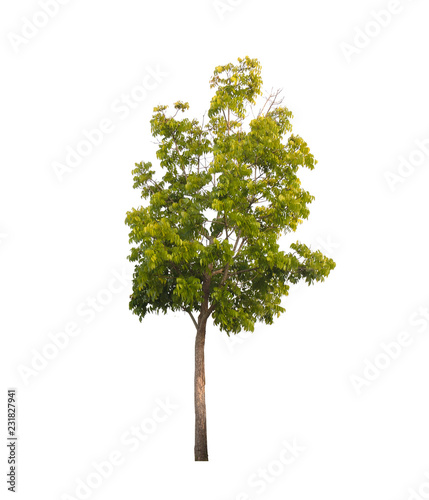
(200, 450)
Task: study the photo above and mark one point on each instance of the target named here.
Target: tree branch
(192, 317)
(244, 271)
(210, 309)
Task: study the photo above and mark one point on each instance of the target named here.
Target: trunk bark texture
(201, 453)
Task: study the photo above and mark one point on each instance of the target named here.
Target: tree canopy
(215, 208)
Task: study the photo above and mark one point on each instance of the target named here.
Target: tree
(207, 240)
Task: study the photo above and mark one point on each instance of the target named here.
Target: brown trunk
(201, 453)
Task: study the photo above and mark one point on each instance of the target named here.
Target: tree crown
(206, 240)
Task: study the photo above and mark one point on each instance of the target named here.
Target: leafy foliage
(206, 241)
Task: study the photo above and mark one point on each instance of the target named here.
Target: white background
(61, 240)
